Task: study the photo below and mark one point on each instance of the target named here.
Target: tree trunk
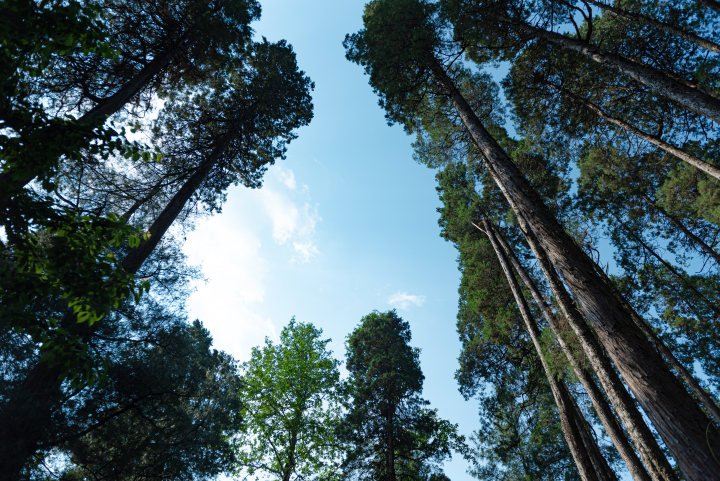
(671, 29)
(600, 464)
(27, 414)
(691, 96)
(676, 222)
(679, 421)
(390, 455)
(567, 410)
(652, 456)
(607, 418)
(686, 376)
(290, 465)
(706, 167)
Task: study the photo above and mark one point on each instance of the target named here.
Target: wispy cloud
(402, 300)
(293, 218)
(287, 177)
(306, 251)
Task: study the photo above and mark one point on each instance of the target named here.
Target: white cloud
(283, 212)
(231, 248)
(287, 177)
(294, 224)
(306, 250)
(229, 254)
(402, 300)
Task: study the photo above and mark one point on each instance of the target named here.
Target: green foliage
(61, 64)
(390, 431)
(291, 397)
(397, 48)
(520, 437)
(167, 411)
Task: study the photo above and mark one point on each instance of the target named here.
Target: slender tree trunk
(607, 418)
(110, 105)
(27, 415)
(679, 421)
(565, 404)
(676, 222)
(671, 29)
(691, 96)
(390, 455)
(600, 464)
(135, 257)
(290, 465)
(706, 167)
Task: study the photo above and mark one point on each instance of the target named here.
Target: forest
(580, 193)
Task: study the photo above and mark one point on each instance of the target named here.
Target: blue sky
(346, 225)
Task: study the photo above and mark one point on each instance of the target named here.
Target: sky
(347, 224)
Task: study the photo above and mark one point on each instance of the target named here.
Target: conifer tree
(390, 432)
(408, 58)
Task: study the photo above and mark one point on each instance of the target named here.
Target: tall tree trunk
(567, 410)
(607, 418)
(684, 374)
(688, 233)
(700, 164)
(693, 97)
(671, 29)
(600, 464)
(672, 410)
(26, 416)
(652, 456)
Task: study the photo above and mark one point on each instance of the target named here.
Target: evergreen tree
(390, 431)
(167, 405)
(409, 58)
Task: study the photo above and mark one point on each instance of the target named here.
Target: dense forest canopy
(581, 194)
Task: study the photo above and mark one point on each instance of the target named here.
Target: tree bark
(691, 96)
(600, 464)
(686, 375)
(607, 418)
(566, 406)
(679, 421)
(652, 456)
(671, 29)
(676, 222)
(706, 167)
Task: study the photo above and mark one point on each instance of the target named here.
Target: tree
(392, 435)
(167, 411)
(461, 218)
(409, 58)
(167, 405)
(291, 397)
(225, 132)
